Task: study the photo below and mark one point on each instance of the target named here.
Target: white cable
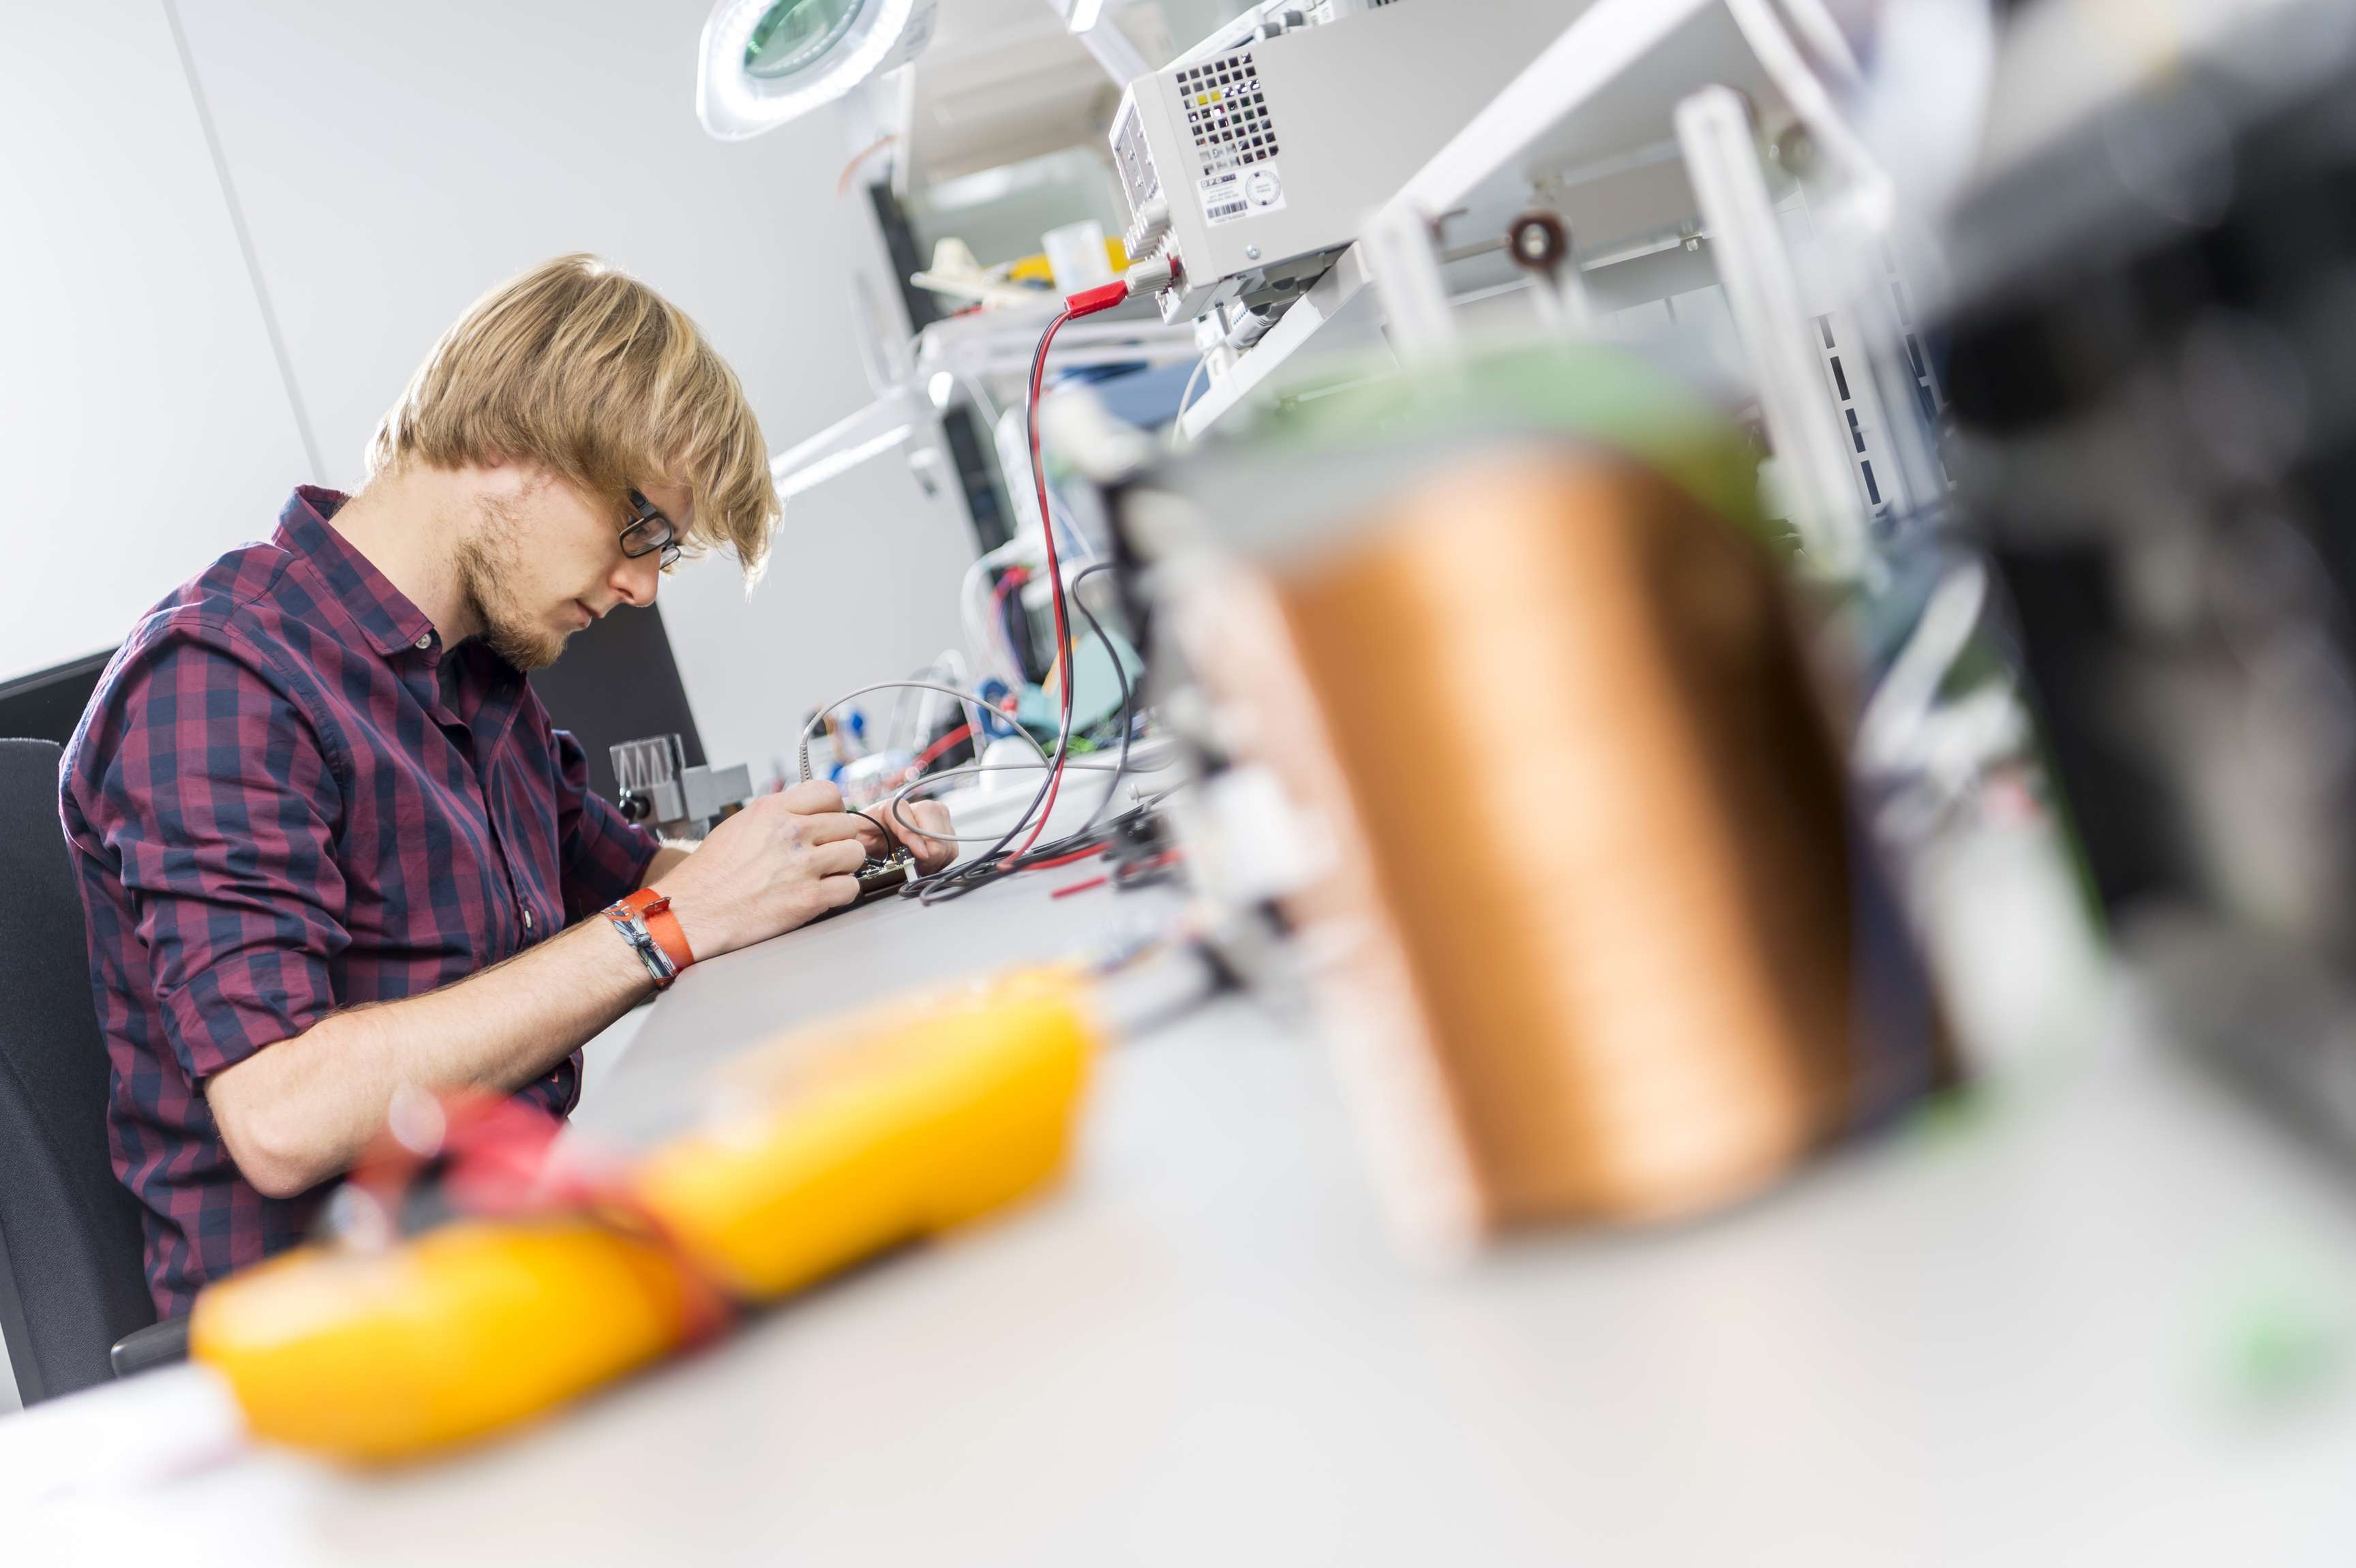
(900, 708)
(980, 396)
(999, 655)
(891, 803)
(1075, 542)
(1890, 731)
(819, 717)
(1178, 421)
(953, 667)
(989, 641)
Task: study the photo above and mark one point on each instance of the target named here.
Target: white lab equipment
(1077, 255)
(1255, 158)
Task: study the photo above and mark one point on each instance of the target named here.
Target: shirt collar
(386, 617)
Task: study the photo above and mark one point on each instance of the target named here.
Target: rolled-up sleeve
(602, 856)
(218, 806)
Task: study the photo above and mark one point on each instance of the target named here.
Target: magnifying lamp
(764, 63)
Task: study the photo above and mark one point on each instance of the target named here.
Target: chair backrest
(71, 1276)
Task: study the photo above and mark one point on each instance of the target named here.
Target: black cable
(981, 871)
(974, 875)
(977, 875)
(921, 887)
(1128, 698)
(1015, 622)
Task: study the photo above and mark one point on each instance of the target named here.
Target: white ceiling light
(764, 63)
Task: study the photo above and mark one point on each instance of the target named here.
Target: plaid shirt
(274, 815)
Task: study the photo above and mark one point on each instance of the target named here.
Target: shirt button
(425, 642)
(527, 919)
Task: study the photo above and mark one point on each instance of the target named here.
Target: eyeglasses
(650, 530)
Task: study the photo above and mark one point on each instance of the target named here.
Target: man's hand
(301, 1110)
(880, 833)
(782, 860)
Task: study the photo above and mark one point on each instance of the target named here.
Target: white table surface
(1998, 1341)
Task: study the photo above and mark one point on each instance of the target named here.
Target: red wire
(1063, 667)
(933, 751)
(1013, 578)
(495, 1154)
(1065, 859)
(1088, 302)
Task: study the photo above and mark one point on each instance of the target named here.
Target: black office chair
(74, 1306)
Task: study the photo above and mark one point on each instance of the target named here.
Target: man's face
(540, 560)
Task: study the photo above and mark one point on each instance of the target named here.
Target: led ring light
(808, 53)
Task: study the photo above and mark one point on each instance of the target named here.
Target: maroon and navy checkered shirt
(274, 815)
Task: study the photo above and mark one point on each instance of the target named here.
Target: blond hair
(588, 372)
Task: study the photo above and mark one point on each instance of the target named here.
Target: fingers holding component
(813, 797)
(836, 827)
(841, 856)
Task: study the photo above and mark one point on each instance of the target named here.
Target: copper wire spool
(1613, 970)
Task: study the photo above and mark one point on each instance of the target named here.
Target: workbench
(2017, 1331)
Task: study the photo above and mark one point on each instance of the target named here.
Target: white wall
(143, 424)
(394, 161)
(391, 163)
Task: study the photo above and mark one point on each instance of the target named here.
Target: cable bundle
(996, 862)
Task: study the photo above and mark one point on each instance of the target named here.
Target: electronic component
(1640, 963)
(888, 874)
(534, 1283)
(659, 790)
(1253, 158)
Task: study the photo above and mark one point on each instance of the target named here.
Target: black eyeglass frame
(650, 530)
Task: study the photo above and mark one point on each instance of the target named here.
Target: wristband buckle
(659, 968)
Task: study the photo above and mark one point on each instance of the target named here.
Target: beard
(491, 563)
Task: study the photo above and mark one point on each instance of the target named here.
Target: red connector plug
(1088, 301)
(1143, 278)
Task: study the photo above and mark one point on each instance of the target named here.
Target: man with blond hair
(327, 841)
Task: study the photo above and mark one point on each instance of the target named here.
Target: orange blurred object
(1587, 926)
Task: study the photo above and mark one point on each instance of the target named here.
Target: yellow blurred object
(837, 1141)
(876, 1130)
(464, 1330)
(1036, 268)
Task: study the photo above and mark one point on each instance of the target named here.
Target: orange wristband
(654, 910)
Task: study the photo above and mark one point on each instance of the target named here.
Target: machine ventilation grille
(1228, 113)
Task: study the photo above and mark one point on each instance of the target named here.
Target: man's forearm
(301, 1110)
(666, 861)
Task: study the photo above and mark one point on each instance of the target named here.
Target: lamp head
(764, 63)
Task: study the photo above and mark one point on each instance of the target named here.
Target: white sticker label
(1240, 193)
